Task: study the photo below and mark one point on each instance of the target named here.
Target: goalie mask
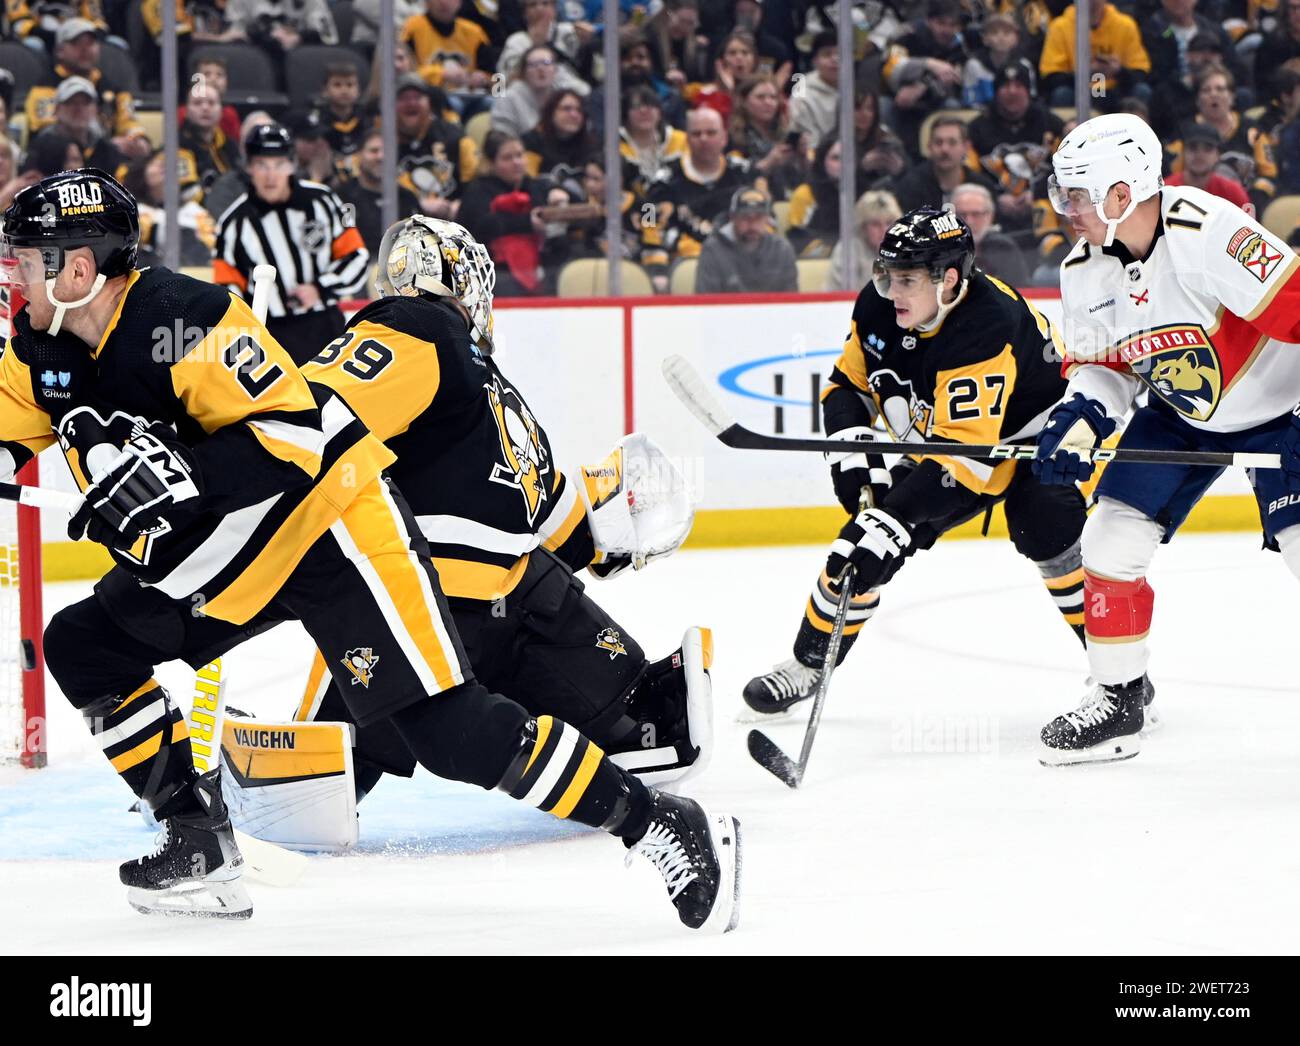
(83, 208)
(421, 255)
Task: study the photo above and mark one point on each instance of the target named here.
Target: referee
(302, 229)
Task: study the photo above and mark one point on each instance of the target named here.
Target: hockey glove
(1073, 430)
(1290, 448)
(153, 473)
(852, 474)
(872, 541)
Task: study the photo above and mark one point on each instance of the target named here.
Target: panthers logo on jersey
(525, 461)
(1179, 365)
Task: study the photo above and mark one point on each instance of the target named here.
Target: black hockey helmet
(269, 139)
(83, 208)
(931, 239)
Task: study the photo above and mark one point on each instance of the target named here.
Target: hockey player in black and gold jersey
(507, 529)
(234, 495)
(938, 350)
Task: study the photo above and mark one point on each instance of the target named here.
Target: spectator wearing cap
(542, 25)
(1117, 56)
(1281, 45)
(37, 22)
(923, 66)
(1168, 32)
(646, 143)
(1202, 150)
(1014, 138)
(435, 158)
(999, 46)
(1245, 148)
(339, 111)
(77, 53)
(519, 108)
(873, 214)
(1173, 98)
(211, 152)
(76, 115)
(314, 160)
(689, 194)
(815, 205)
(814, 99)
(995, 253)
(560, 145)
(745, 255)
(304, 230)
(931, 182)
(365, 192)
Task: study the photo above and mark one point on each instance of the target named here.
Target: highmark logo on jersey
(1179, 364)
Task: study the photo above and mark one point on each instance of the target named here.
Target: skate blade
(1151, 721)
(1115, 750)
(748, 715)
(724, 832)
(196, 899)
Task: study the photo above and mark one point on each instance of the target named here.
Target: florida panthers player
(1182, 293)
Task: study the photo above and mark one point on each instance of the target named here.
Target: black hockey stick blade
(767, 755)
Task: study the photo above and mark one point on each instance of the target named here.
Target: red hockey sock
(1117, 611)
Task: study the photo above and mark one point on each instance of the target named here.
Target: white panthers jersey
(1209, 321)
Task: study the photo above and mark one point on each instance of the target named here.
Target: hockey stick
(763, 748)
(263, 281)
(40, 497)
(689, 387)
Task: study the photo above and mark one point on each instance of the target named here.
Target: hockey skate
(774, 694)
(673, 710)
(698, 854)
(1105, 728)
(195, 868)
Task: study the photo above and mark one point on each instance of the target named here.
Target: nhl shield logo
(313, 234)
(361, 662)
(609, 639)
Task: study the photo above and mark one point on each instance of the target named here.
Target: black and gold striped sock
(819, 618)
(146, 739)
(1063, 576)
(562, 772)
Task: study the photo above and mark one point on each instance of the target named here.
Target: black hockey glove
(153, 473)
(873, 541)
(854, 474)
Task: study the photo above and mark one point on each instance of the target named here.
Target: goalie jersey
(279, 459)
(989, 373)
(473, 462)
(1208, 321)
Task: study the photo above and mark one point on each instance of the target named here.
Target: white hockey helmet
(1100, 152)
(421, 255)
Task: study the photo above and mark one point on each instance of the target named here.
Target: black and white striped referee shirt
(310, 238)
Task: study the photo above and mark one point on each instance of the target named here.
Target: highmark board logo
(1179, 364)
(782, 375)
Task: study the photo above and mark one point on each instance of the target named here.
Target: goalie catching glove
(872, 541)
(126, 498)
(639, 506)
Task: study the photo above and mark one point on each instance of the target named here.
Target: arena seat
(681, 278)
(589, 278)
(304, 70)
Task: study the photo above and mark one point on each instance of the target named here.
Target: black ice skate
(1104, 729)
(780, 690)
(195, 868)
(698, 854)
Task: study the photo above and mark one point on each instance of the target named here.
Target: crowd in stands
(731, 158)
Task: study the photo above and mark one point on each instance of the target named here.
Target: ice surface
(925, 823)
